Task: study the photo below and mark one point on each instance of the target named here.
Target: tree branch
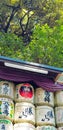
(11, 6)
(14, 10)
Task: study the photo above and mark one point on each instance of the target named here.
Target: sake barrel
(58, 98)
(59, 115)
(45, 127)
(60, 128)
(43, 97)
(45, 115)
(23, 126)
(7, 89)
(6, 124)
(24, 93)
(6, 108)
(24, 112)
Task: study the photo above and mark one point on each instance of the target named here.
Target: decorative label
(7, 89)
(45, 114)
(24, 111)
(6, 125)
(6, 107)
(47, 96)
(26, 91)
(44, 97)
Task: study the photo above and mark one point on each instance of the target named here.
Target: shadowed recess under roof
(41, 80)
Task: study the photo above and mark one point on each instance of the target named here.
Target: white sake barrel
(45, 127)
(23, 126)
(7, 89)
(6, 108)
(58, 98)
(59, 115)
(24, 112)
(24, 93)
(60, 128)
(43, 97)
(45, 115)
(6, 124)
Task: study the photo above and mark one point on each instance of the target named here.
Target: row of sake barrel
(27, 112)
(40, 115)
(20, 92)
(25, 92)
(7, 125)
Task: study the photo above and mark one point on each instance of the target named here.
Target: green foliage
(40, 19)
(46, 46)
(11, 45)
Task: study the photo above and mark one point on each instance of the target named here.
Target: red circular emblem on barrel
(26, 90)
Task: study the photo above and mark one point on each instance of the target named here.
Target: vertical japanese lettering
(50, 114)
(5, 88)
(47, 116)
(27, 111)
(6, 108)
(47, 96)
(3, 127)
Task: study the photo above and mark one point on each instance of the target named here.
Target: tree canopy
(32, 30)
(46, 45)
